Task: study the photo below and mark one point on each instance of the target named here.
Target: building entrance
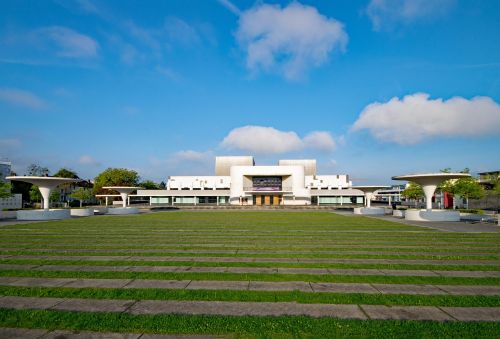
(266, 200)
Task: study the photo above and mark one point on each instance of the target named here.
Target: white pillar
(150, 203)
(45, 191)
(124, 199)
(429, 192)
(106, 201)
(368, 198)
(341, 200)
(389, 199)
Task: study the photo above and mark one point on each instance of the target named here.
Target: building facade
(238, 181)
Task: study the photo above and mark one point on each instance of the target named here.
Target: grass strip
(493, 258)
(254, 277)
(246, 326)
(252, 296)
(80, 262)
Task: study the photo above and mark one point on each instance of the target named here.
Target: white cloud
(87, 160)
(230, 6)
(288, 40)
(70, 43)
(21, 98)
(268, 140)
(180, 31)
(319, 140)
(416, 118)
(387, 13)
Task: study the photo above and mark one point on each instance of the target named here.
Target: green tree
(66, 173)
(37, 171)
(5, 189)
(36, 196)
(82, 194)
(468, 188)
(149, 185)
(115, 177)
(413, 192)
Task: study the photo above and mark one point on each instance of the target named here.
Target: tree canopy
(66, 173)
(149, 185)
(413, 191)
(468, 188)
(82, 194)
(5, 189)
(115, 177)
(37, 171)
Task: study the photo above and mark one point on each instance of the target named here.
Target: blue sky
(370, 88)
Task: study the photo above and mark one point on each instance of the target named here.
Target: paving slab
(16, 267)
(42, 282)
(178, 336)
(469, 274)
(168, 284)
(168, 269)
(269, 270)
(217, 285)
(347, 271)
(28, 302)
(474, 313)
(303, 270)
(61, 334)
(248, 308)
(381, 312)
(279, 286)
(413, 273)
(206, 269)
(103, 283)
(343, 288)
(24, 333)
(408, 289)
(93, 305)
(471, 290)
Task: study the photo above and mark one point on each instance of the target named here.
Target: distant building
(5, 169)
(487, 179)
(238, 181)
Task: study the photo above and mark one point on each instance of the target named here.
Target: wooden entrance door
(267, 200)
(276, 199)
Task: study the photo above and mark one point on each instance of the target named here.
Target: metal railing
(267, 189)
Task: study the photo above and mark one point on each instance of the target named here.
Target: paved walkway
(256, 259)
(149, 307)
(302, 286)
(25, 333)
(263, 270)
(446, 226)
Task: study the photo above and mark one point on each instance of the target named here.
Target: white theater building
(238, 181)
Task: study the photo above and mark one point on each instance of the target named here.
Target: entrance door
(267, 200)
(276, 199)
(258, 200)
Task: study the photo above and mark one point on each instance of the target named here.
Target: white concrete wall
(199, 182)
(327, 181)
(14, 202)
(296, 173)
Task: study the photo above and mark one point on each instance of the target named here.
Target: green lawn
(286, 239)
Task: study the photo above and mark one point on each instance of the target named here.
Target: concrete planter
(82, 212)
(123, 210)
(369, 211)
(432, 215)
(43, 214)
(398, 213)
(7, 214)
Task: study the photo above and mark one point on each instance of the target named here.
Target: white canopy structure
(429, 183)
(45, 185)
(369, 191)
(124, 192)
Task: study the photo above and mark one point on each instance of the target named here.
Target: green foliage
(66, 173)
(468, 188)
(36, 196)
(149, 185)
(115, 177)
(5, 189)
(37, 170)
(82, 194)
(413, 191)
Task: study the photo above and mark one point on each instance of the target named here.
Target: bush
(471, 210)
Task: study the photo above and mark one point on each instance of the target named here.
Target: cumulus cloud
(416, 117)
(268, 140)
(387, 13)
(288, 40)
(21, 98)
(87, 160)
(70, 43)
(230, 6)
